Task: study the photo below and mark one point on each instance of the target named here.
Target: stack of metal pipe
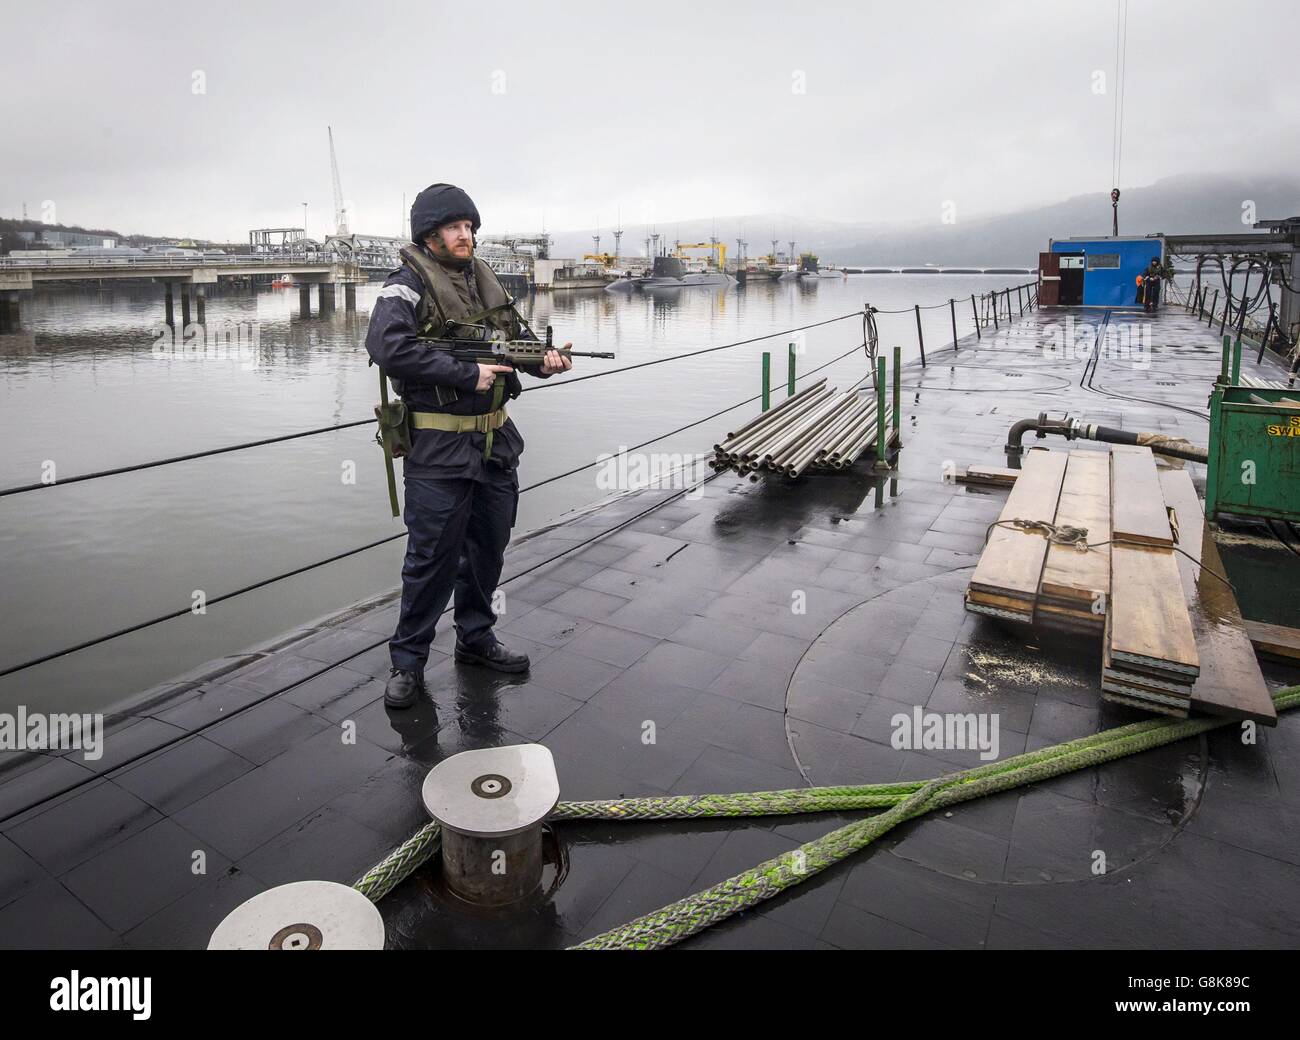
(816, 428)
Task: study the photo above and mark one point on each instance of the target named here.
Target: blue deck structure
(1109, 267)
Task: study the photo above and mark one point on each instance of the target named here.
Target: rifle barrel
(495, 348)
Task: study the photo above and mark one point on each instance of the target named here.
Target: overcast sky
(211, 119)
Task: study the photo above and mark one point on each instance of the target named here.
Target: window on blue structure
(1102, 261)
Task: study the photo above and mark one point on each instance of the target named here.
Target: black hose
(1072, 429)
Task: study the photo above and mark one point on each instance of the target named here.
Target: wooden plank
(1230, 682)
(1143, 681)
(997, 612)
(1012, 561)
(1152, 628)
(1135, 702)
(1150, 624)
(1137, 690)
(1045, 608)
(1067, 621)
(999, 606)
(1137, 508)
(993, 476)
(1069, 575)
(990, 599)
(1276, 640)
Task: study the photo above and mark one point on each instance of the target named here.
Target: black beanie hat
(440, 204)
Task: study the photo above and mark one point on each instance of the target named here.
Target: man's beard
(449, 258)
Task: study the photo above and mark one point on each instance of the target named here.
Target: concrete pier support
(350, 298)
(185, 304)
(326, 298)
(200, 301)
(167, 304)
(10, 313)
(304, 301)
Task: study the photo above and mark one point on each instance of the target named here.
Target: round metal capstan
(491, 804)
(306, 915)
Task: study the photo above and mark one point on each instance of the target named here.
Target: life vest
(440, 302)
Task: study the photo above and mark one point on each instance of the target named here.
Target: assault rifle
(469, 342)
(465, 341)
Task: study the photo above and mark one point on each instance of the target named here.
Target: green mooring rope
(903, 801)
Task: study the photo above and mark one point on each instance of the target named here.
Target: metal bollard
(491, 805)
(304, 915)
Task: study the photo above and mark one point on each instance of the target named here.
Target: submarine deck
(674, 609)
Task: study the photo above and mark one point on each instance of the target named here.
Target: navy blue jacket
(414, 368)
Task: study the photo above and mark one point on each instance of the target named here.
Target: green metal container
(1254, 457)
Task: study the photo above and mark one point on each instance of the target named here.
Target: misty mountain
(1175, 205)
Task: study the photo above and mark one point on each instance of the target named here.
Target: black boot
(403, 689)
(493, 655)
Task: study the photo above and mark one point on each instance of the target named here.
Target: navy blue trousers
(457, 532)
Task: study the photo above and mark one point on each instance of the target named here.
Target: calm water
(88, 385)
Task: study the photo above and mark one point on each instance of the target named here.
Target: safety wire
(170, 460)
(870, 344)
(370, 422)
(213, 600)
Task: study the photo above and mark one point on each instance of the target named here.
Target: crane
(340, 214)
(715, 245)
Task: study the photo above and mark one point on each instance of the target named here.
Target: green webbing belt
(498, 391)
(385, 442)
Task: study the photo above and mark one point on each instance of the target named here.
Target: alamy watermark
(1074, 340)
(227, 340)
(43, 731)
(951, 731)
(72, 992)
(632, 470)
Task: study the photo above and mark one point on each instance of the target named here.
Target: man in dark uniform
(1151, 285)
(462, 493)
